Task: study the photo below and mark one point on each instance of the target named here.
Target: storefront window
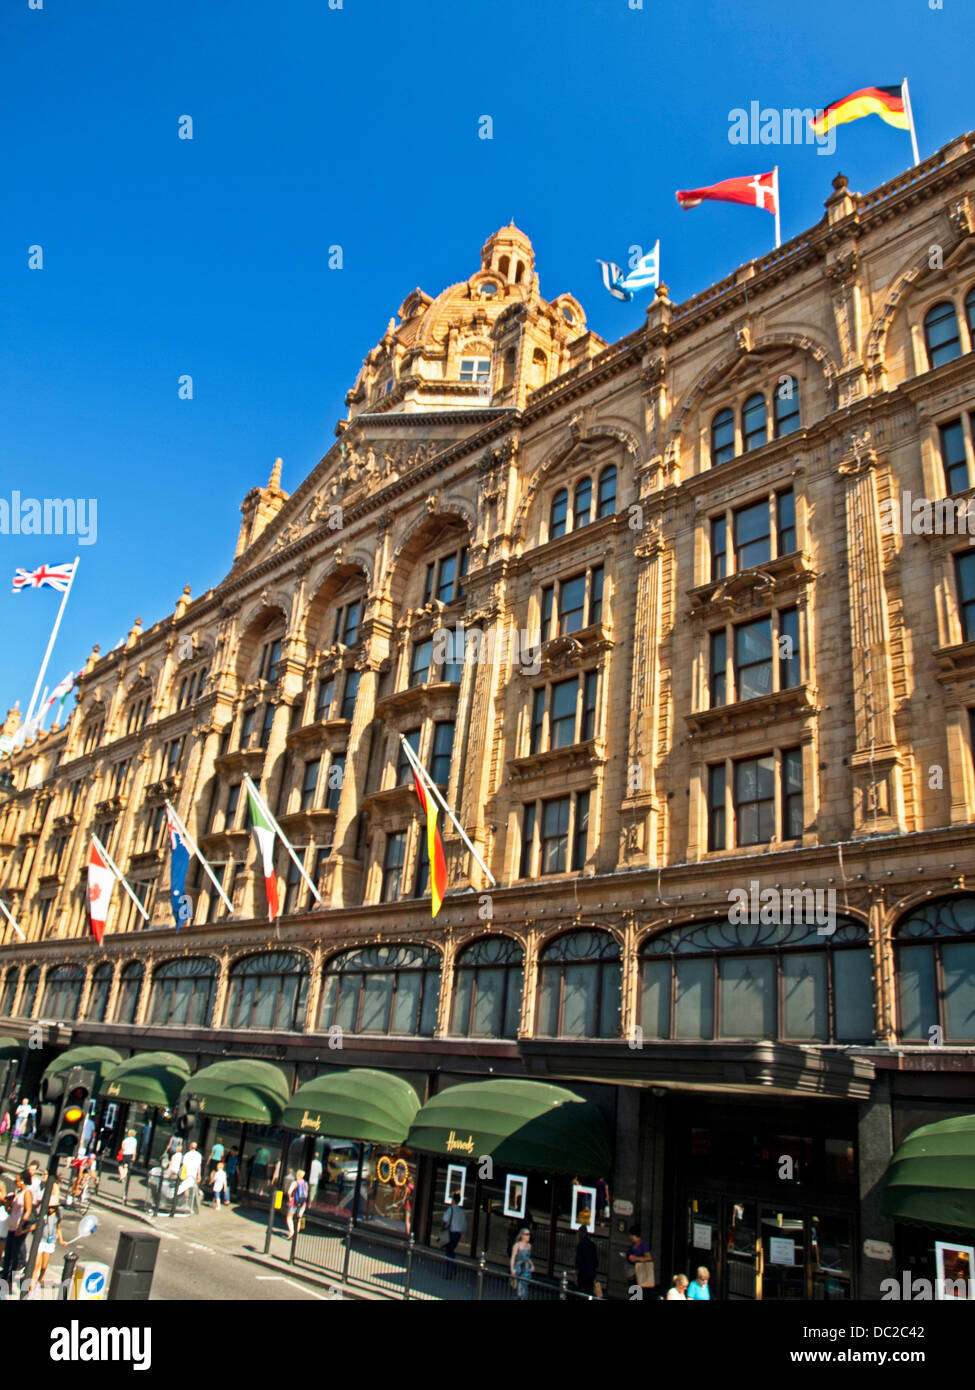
(268, 991)
(487, 989)
(935, 964)
(62, 992)
(183, 992)
(332, 1176)
(579, 986)
(388, 1187)
(382, 989)
(258, 1168)
(795, 982)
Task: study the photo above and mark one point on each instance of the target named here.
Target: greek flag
(644, 275)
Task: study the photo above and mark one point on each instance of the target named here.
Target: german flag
(886, 102)
(435, 854)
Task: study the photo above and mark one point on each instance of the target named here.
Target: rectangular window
(555, 835)
(753, 540)
(716, 811)
(445, 579)
(562, 715)
(785, 522)
(404, 772)
(324, 702)
(353, 612)
(174, 751)
(348, 695)
(572, 604)
(233, 800)
(420, 665)
(156, 828)
(590, 694)
(527, 841)
(293, 882)
(247, 726)
(336, 776)
(755, 800)
(953, 456)
(580, 838)
(538, 720)
(214, 901)
(753, 659)
(475, 369)
(792, 819)
(321, 855)
(548, 594)
(719, 547)
(789, 674)
(748, 1004)
(265, 738)
(443, 748)
(309, 784)
(596, 596)
(270, 660)
(393, 865)
(718, 688)
(965, 575)
(428, 584)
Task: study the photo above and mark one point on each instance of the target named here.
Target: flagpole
(281, 836)
(778, 223)
(195, 851)
(6, 912)
(435, 793)
(54, 633)
(116, 871)
(906, 95)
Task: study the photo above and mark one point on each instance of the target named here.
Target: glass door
(782, 1256)
(742, 1250)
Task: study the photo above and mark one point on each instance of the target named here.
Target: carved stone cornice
(798, 701)
(763, 586)
(558, 762)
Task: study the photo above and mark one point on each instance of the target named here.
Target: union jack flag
(52, 576)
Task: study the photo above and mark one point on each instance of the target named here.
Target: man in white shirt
(192, 1163)
(314, 1178)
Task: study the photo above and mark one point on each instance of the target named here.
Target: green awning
(240, 1089)
(10, 1047)
(520, 1124)
(374, 1106)
(931, 1177)
(96, 1059)
(148, 1078)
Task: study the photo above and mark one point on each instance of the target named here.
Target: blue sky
(358, 127)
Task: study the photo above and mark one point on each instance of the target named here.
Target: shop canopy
(94, 1059)
(374, 1106)
(9, 1047)
(240, 1089)
(520, 1124)
(931, 1178)
(148, 1078)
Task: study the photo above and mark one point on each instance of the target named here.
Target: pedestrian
(4, 1216)
(37, 1180)
(522, 1266)
(455, 1224)
(231, 1162)
(126, 1154)
(698, 1291)
(586, 1262)
(20, 1226)
(30, 1129)
(677, 1294)
(297, 1201)
(20, 1118)
(87, 1133)
(218, 1186)
(639, 1262)
(216, 1156)
(50, 1236)
(5, 1122)
(146, 1140)
(314, 1178)
(190, 1172)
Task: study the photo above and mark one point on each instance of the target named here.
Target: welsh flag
(264, 834)
(101, 881)
(435, 853)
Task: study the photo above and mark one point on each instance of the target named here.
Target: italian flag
(435, 854)
(101, 881)
(264, 834)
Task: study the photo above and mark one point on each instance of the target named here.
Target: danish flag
(47, 576)
(754, 190)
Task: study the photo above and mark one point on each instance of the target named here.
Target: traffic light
(184, 1116)
(49, 1104)
(74, 1111)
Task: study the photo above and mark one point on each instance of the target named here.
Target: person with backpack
(297, 1200)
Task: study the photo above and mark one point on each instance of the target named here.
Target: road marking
(280, 1279)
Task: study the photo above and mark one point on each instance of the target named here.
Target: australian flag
(179, 863)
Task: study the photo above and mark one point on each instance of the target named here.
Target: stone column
(639, 806)
(875, 1147)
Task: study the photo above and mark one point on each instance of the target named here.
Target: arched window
(935, 969)
(558, 514)
(183, 992)
(382, 989)
(768, 980)
(754, 429)
(579, 986)
(62, 991)
(268, 991)
(9, 991)
(101, 989)
(508, 368)
(487, 989)
(941, 334)
(786, 406)
(503, 265)
(520, 273)
(582, 504)
(29, 997)
(722, 437)
(970, 313)
(607, 492)
(129, 990)
(539, 367)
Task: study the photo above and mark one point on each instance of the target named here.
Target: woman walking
(297, 1200)
(522, 1267)
(50, 1236)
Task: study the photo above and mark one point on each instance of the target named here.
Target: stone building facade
(651, 618)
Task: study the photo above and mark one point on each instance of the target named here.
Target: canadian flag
(101, 881)
(754, 190)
